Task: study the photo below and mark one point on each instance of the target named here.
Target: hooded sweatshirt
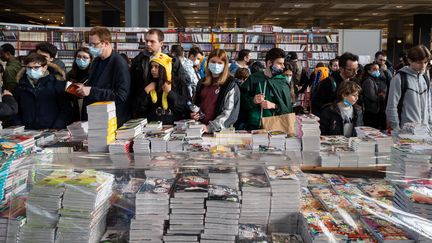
(417, 101)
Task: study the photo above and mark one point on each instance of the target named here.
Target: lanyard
(261, 90)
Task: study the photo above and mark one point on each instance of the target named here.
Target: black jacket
(43, 106)
(326, 92)
(371, 87)
(113, 84)
(331, 121)
(140, 71)
(8, 107)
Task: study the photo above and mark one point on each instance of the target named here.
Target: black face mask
(276, 71)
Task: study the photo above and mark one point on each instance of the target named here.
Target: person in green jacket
(266, 93)
(13, 65)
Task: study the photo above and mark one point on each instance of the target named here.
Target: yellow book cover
(57, 178)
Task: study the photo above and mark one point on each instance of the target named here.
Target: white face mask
(196, 62)
(216, 68)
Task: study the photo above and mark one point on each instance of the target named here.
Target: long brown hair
(223, 77)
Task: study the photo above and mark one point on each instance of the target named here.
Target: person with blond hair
(218, 95)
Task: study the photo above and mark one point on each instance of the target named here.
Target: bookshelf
(311, 46)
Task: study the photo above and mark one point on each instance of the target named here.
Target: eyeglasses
(94, 44)
(34, 67)
(82, 57)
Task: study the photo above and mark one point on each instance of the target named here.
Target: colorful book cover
(249, 233)
(378, 190)
(192, 180)
(223, 193)
(157, 186)
(253, 180)
(384, 230)
(280, 173)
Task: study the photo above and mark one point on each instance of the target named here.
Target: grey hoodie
(417, 102)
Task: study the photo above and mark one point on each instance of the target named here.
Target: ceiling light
(48, 19)
(61, 23)
(374, 14)
(277, 18)
(195, 17)
(398, 6)
(87, 2)
(341, 23)
(7, 9)
(40, 17)
(55, 21)
(285, 12)
(192, 4)
(411, 24)
(62, 17)
(197, 22)
(356, 19)
(399, 41)
(194, 11)
(297, 5)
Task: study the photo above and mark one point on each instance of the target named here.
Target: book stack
(151, 210)
(414, 197)
(42, 207)
(277, 139)
(384, 231)
(85, 206)
(292, 144)
(13, 130)
(78, 130)
(194, 129)
(120, 147)
(153, 126)
(187, 206)
(158, 140)
(410, 162)
(102, 124)
(222, 216)
(256, 194)
(182, 124)
(284, 238)
(224, 176)
(285, 199)
(24, 142)
(10, 229)
(259, 138)
(416, 129)
(334, 203)
(252, 233)
(365, 149)
(131, 129)
(175, 142)
(141, 144)
(383, 141)
(309, 132)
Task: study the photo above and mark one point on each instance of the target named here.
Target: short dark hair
(333, 61)
(102, 32)
(274, 54)
(380, 53)
(35, 57)
(419, 53)
(177, 51)
(288, 66)
(347, 56)
(242, 54)
(256, 67)
(47, 48)
(194, 51)
(8, 48)
(292, 55)
(158, 32)
(242, 73)
(320, 64)
(346, 88)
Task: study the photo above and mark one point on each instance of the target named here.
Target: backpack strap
(404, 88)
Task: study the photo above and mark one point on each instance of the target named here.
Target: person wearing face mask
(326, 91)
(166, 97)
(218, 95)
(13, 66)
(191, 65)
(79, 74)
(409, 98)
(140, 70)
(266, 93)
(343, 115)
(41, 98)
(374, 93)
(109, 77)
(243, 61)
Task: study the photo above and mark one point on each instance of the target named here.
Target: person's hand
(268, 105)
(384, 67)
(151, 86)
(195, 116)
(7, 92)
(82, 90)
(205, 129)
(258, 98)
(166, 87)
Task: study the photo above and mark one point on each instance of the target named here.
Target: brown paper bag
(283, 122)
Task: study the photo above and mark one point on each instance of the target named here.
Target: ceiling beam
(174, 12)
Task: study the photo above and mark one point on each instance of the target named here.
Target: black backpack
(404, 88)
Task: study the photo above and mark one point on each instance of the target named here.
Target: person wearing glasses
(79, 74)
(343, 115)
(109, 78)
(326, 91)
(409, 98)
(41, 98)
(386, 69)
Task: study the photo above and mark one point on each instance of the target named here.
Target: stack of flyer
(13, 130)
(85, 206)
(42, 207)
(151, 210)
(256, 197)
(385, 231)
(410, 162)
(141, 144)
(78, 130)
(187, 206)
(383, 141)
(120, 147)
(131, 129)
(158, 140)
(102, 124)
(365, 150)
(224, 176)
(194, 129)
(222, 216)
(175, 142)
(153, 126)
(277, 139)
(309, 132)
(259, 138)
(285, 199)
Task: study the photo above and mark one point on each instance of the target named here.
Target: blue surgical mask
(376, 74)
(288, 79)
(95, 52)
(347, 103)
(276, 71)
(82, 63)
(34, 74)
(216, 68)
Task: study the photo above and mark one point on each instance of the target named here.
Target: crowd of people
(169, 87)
